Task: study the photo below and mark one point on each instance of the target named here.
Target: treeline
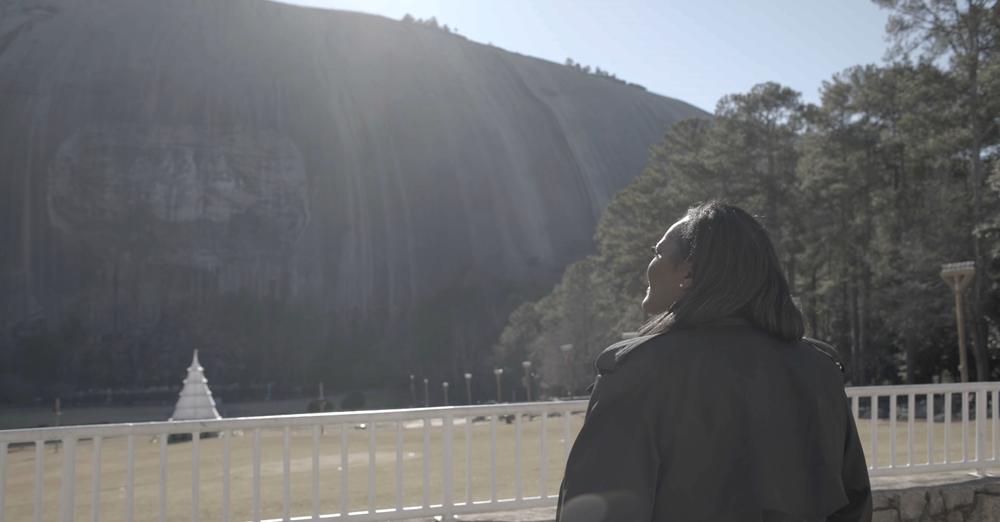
(865, 196)
(430, 22)
(600, 73)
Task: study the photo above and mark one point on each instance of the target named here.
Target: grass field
(20, 469)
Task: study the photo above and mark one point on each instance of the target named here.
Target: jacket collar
(608, 360)
(731, 320)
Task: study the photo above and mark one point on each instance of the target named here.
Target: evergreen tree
(969, 36)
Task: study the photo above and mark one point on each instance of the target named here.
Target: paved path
(878, 483)
(521, 515)
(939, 478)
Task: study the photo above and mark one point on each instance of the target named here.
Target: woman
(720, 410)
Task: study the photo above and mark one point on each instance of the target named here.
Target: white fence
(546, 416)
(913, 430)
(957, 400)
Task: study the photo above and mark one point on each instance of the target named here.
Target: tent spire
(195, 401)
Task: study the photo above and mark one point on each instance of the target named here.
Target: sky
(690, 50)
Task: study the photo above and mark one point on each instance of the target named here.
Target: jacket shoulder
(613, 356)
(827, 350)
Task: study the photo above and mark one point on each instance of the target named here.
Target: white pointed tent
(195, 401)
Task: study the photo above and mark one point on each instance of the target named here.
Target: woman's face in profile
(667, 281)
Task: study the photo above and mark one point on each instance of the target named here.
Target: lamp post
(444, 386)
(321, 400)
(566, 349)
(468, 387)
(427, 394)
(57, 408)
(498, 372)
(958, 276)
(527, 378)
(413, 392)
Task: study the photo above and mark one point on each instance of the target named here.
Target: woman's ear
(687, 269)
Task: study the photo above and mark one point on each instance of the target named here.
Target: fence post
(68, 494)
(3, 476)
(980, 432)
(447, 504)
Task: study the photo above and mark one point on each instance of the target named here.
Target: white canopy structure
(195, 401)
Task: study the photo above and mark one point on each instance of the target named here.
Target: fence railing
(403, 464)
(388, 487)
(919, 424)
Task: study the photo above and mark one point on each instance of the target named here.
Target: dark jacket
(717, 424)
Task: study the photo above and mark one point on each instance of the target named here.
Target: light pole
(468, 387)
(566, 349)
(958, 276)
(57, 408)
(498, 372)
(444, 386)
(527, 378)
(427, 394)
(413, 392)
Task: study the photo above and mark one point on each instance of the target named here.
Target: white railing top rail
(906, 389)
(326, 418)
(282, 421)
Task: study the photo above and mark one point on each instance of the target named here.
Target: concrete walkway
(898, 482)
(522, 515)
(924, 480)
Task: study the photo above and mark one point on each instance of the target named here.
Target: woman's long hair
(735, 274)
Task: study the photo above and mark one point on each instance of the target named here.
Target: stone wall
(939, 499)
(971, 501)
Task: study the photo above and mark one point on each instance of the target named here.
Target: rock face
(377, 182)
(969, 501)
